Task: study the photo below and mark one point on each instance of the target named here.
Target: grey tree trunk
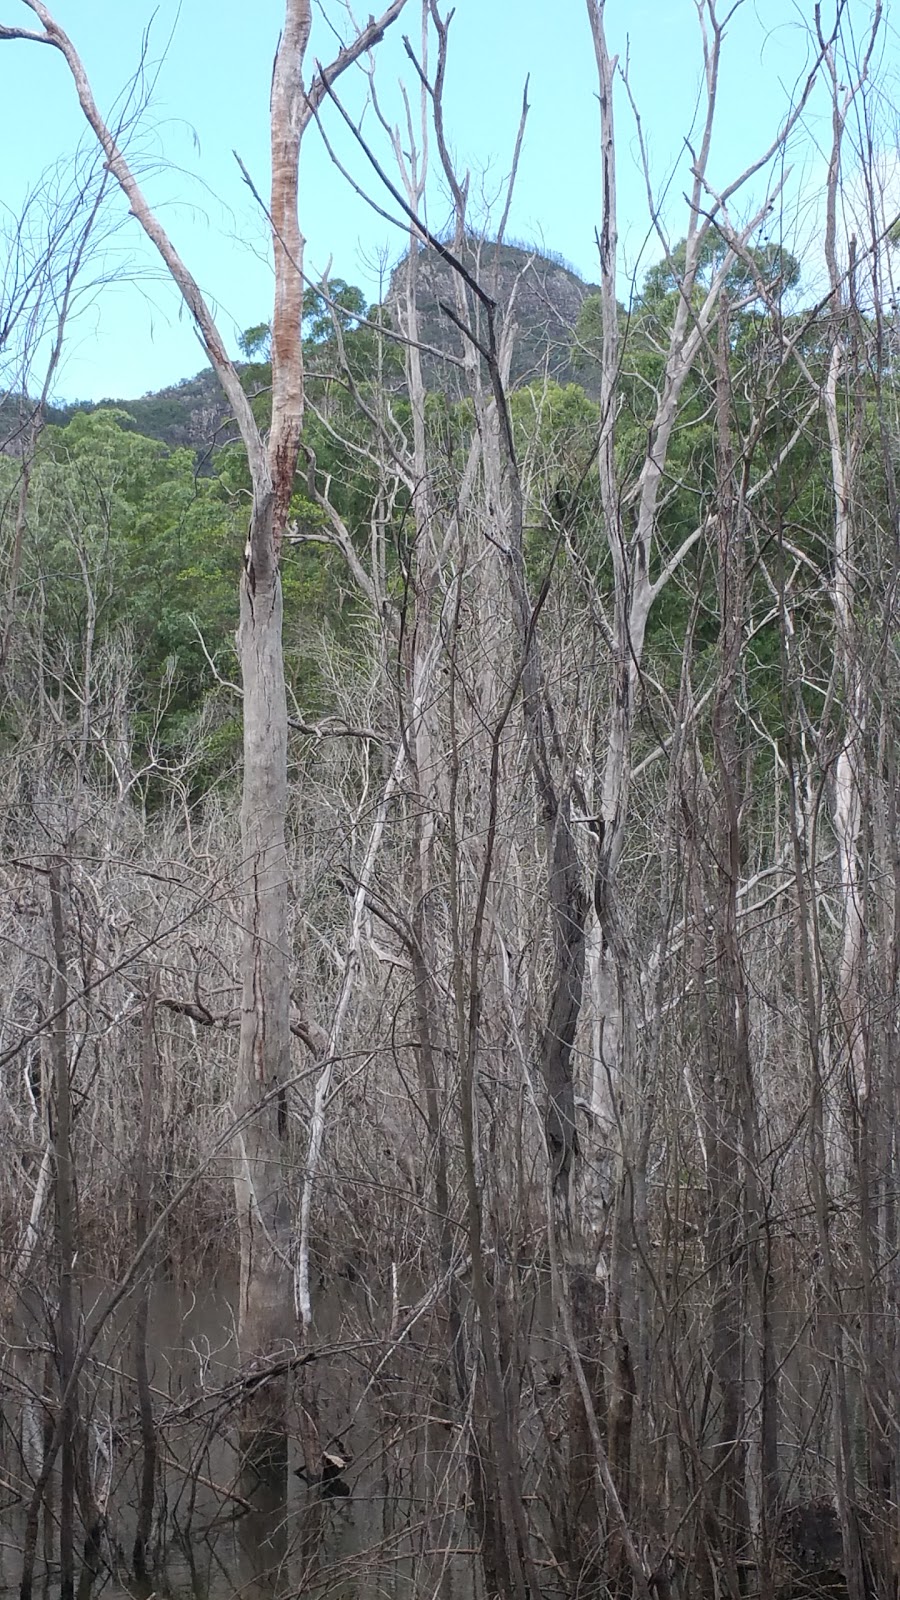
(265, 1320)
(65, 1228)
(266, 1295)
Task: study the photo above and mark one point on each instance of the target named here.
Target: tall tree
(266, 1293)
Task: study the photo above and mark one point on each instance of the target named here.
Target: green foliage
(555, 430)
(129, 544)
(132, 545)
(766, 401)
(340, 301)
(132, 550)
(256, 343)
(767, 270)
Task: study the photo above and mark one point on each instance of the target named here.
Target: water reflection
(380, 1510)
(263, 1543)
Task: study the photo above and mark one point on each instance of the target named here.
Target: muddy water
(397, 1527)
(392, 1523)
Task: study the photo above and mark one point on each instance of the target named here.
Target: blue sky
(210, 96)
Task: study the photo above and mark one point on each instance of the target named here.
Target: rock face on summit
(540, 293)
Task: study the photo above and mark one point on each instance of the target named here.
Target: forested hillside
(451, 904)
(541, 294)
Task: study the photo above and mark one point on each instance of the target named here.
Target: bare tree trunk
(731, 1117)
(65, 1225)
(143, 1193)
(265, 1313)
(812, 989)
(265, 1320)
(266, 1292)
(850, 778)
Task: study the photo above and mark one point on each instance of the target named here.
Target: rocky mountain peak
(537, 293)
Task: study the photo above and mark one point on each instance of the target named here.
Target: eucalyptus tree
(266, 1320)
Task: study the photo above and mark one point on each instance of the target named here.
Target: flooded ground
(387, 1516)
(384, 1512)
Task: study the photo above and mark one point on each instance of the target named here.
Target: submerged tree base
(263, 1529)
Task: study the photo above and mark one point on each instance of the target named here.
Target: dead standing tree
(635, 588)
(266, 1297)
(844, 407)
(642, 566)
